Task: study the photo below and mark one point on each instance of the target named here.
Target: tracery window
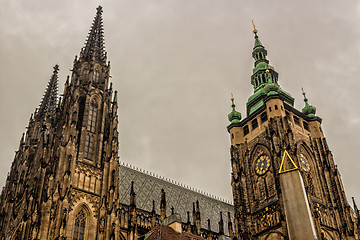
(85, 73)
(89, 146)
(96, 75)
(79, 228)
(92, 117)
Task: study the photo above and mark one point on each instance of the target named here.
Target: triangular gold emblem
(287, 164)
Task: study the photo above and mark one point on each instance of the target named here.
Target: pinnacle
(48, 103)
(94, 45)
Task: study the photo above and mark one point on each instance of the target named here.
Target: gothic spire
(261, 65)
(264, 79)
(49, 101)
(94, 45)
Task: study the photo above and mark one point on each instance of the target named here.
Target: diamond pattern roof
(147, 187)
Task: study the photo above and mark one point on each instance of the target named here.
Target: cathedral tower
(63, 182)
(284, 179)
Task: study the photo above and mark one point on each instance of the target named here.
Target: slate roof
(147, 187)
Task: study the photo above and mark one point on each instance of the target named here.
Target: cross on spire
(94, 45)
(49, 101)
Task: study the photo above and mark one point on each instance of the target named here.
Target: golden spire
(303, 93)
(232, 97)
(255, 30)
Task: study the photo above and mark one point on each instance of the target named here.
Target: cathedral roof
(147, 187)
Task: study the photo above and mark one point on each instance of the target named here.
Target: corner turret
(234, 116)
(308, 110)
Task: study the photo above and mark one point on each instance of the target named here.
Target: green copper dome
(234, 116)
(308, 110)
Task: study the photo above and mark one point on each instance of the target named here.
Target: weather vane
(255, 30)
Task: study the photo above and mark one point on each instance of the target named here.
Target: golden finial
(255, 30)
(267, 70)
(232, 97)
(303, 93)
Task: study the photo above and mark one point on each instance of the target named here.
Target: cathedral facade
(284, 179)
(66, 180)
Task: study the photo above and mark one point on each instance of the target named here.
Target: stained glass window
(92, 117)
(96, 75)
(89, 146)
(79, 228)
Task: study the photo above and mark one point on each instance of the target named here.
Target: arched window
(89, 146)
(92, 117)
(79, 228)
(85, 73)
(96, 75)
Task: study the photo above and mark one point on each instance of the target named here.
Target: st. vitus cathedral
(66, 181)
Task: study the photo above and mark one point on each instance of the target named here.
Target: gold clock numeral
(262, 164)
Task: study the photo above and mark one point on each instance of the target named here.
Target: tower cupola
(234, 116)
(308, 110)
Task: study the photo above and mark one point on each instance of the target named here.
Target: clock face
(305, 165)
(262, 165)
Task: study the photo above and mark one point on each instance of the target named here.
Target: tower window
(92, 117)
(254, 123)
(264, 117)
(79, 228)
(89, 146)
(269, 109)
(296, 120)
(86, 73)
(246, 130)
(262, 78)
(276, 107)
(96, 75)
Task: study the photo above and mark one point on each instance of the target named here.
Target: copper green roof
(264, 79)
(234, 116)
(308, 110)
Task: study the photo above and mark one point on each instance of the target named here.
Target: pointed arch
(92, 115)
(263, 172)
(309, 171)
(96, 75)
(85, 72)
(275, 235)
(81, 222)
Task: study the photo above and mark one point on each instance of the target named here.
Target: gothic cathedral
(284, 179)
(65, 179)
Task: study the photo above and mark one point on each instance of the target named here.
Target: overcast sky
(175, 64)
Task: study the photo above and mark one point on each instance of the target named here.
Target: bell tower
(88, 150)
(285, 182)
(63, 183)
